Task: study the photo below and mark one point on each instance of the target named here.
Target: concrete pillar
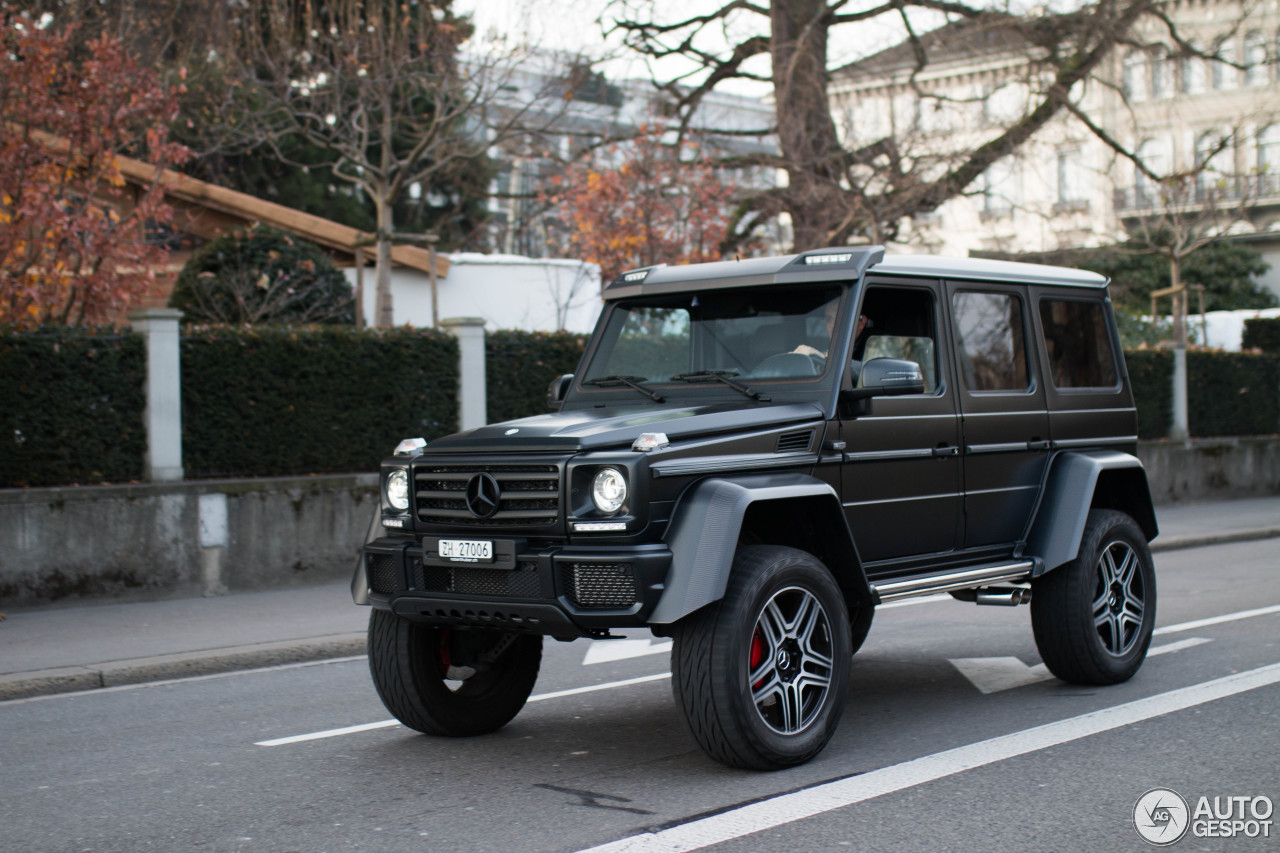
(472, 405)
(163, 414)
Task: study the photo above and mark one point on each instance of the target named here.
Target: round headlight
(609, 490)
(398, 489)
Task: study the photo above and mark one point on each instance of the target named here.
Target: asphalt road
(923, 760)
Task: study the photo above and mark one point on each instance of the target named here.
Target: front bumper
(561, 590)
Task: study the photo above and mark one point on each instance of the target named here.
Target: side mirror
(887, 377)
(557, 390)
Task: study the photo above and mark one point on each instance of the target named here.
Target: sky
(575, 26)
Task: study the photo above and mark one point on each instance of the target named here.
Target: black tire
(1093, 617)
(720, 648)
(409, 660)
(859, 626)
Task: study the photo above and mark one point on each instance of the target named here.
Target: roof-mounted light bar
(829, 258)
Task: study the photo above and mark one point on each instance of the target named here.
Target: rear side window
(1075, 336)
(991, 343)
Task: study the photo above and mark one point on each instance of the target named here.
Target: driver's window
(899, 323)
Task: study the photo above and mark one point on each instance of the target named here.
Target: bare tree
(838, 190)
(380, 87)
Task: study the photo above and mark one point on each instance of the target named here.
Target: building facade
(1214, 117)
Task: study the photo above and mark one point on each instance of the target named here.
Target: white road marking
(993, 675)
(787, 808)
(383, 724)
(1216, 620)
(608, 651)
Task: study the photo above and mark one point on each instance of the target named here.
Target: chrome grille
(529, 494)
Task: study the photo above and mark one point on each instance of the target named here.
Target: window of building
(990, 341)
(1193, 73)
(1213, 159)
(1255, 59)
(1154, 154)
(1135, 76)
(1070, 177)
(1079, 347)
(1268, 161)
(997, 188)
(1161, 74)
(1225, 75)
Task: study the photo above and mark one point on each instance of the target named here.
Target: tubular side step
(947, 581)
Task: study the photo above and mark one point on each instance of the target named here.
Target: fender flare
(703, 537)
(1070, 486)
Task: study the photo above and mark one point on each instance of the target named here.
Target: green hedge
(520, 365)
(1262, 333)
(1232, 393)
(71, 404)
(270, 402)
(1151, 375)
(1228, 393)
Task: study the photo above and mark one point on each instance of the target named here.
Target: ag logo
(1161, 816)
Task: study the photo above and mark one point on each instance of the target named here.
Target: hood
(598, 429)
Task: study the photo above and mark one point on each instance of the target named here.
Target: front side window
(990, 341)
(753, 333)
(1079, 348)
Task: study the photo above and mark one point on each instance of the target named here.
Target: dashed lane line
(787, 808)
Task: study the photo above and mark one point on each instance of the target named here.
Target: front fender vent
(795, 442)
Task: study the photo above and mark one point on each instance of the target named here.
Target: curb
(1180, 543)
(24, 685)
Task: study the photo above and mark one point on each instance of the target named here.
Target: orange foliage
(660, 205)
(73, 238)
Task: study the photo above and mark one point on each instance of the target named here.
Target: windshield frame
(819, 389)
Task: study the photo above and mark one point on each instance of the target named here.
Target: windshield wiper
(723, 377)
(630, 382)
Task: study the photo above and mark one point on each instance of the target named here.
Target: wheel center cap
(784, 659)
(788, 659)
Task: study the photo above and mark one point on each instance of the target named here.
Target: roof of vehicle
(837, 264)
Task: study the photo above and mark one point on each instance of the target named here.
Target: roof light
(650, 441)
(840, 258)
(638, 275)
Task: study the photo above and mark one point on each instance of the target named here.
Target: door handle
(1038, 444)
(946, 450)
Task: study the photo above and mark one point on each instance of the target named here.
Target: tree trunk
(806, 133)
(386, 227)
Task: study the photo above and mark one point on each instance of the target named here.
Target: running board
(1019, 572)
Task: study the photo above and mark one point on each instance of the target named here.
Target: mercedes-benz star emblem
(482, 495)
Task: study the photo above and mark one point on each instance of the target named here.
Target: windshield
(760, 334)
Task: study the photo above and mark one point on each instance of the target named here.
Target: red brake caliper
(444, 652)
(757, 655)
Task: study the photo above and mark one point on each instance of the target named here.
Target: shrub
(520, 365)
(1262, 333)
(262, 275)
(1151, 376)
(71, 402)
(266, 402)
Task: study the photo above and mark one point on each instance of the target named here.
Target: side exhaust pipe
(1003, 596)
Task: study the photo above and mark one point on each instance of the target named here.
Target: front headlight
(397, 489)
(609, 490)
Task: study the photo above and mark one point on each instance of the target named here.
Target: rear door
(1004, 421)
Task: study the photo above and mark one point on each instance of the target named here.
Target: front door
(901, 471)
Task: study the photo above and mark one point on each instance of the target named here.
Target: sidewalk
(93, 646)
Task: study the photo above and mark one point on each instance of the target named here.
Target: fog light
(609, 490)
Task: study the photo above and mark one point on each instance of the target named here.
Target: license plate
(466, 550)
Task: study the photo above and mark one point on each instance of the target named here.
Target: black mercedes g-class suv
(752, 456)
